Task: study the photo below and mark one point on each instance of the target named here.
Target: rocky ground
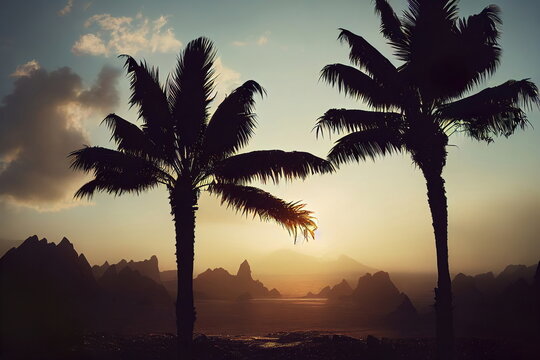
(295, 345)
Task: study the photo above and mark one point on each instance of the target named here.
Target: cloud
(260, 41)
(240, 43)
(227, 78)
(66, 9)
(41, 121)
(26, 69)
(126, 35)
(90, 44)
(103, 94)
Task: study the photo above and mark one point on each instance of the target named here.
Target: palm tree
(184, 148)
(418, 105)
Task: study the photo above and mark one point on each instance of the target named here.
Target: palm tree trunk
(184, 205)
(443, 292)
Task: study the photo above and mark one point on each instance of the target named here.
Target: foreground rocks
(295, 345)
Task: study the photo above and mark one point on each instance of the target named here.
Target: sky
(60, 77)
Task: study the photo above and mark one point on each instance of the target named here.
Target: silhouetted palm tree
(184, 148)
(418, 105)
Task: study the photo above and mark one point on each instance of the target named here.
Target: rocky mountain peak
(244, 271)
(32, 240)
(148, 268)
(65, 243)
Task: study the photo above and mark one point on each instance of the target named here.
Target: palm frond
(390, 25)
(427, 23)
(253, 201)
(130, 138)
(117, 184)
(233, 122)
(493, 111)
(434, 62)
(483, 27)
(272, 165)
(365, 144)
(478, 37)
(420, 13)
(191, 89)
(100, 161)
(355, 83)
(344, 120)
(151, 100)
(364, 55)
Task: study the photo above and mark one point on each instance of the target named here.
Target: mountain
(132, 286)
(486, 282)
(377, 293)
(50, 297)
(285, 262)
(337, 292)
(220, 284)
(513, 273)
(6, 245)
(148, 268)
(404, 315)
(48, 291)
(131, 302)
(504, 305)
(323, 294)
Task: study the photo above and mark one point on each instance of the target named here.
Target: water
(263, 316)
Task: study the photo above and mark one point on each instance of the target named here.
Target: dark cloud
(40, 123)
(103, 94)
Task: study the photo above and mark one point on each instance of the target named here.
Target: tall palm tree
(419, 104)
(185, 149)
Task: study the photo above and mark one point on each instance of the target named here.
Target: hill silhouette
(132, 302)
(336, 292)
(148, 268)
(504, 305)
(375, 294)
(285, 262)
(46, 290)
(6, 245)
(50, 297)
(219, 284)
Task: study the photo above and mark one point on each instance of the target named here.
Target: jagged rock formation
(404, 314)
(220, 284)
(46, 290)
(323, 294)
(375, 297)
(491, 305)
(50, 297)
(148, 268)
(513, 273)
(337, 292)
(340, 291)
(99, 270)
(131, 301)
(485, 282)
(244, 272)
(132, 287)
(377, 293)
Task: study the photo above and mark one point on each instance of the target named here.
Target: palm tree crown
(418, 104)
(182, 147)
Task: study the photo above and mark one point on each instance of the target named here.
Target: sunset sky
(60, 77)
